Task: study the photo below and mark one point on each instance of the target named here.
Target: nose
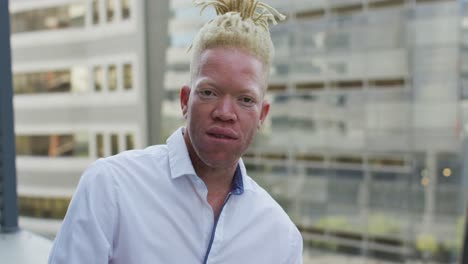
(225, 110)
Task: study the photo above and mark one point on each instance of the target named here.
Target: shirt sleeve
(86, 234)
(295, 253)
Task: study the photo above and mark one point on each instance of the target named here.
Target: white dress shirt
(149, 206)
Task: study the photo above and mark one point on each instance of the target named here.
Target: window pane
(125, 9)
(95, 12)
(43, 207)
(114, 144)
(42, 82)
(112, 76)
(128, 76)
(56, 81)
(59, 145)
(98, 78)
(79, 79)
(99, 145)
(129, 142)
(50, 18)
(110, 10)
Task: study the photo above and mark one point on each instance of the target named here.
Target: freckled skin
(226, 98)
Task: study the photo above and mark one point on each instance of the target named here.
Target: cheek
(251, 123)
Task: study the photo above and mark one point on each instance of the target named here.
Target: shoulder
(135, 160)
(134, 157)
(128, 164)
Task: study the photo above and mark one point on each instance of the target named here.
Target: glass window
(338, 41)
(112, 77)
(98, 78)
(56, 81)
(95, 12)
(51, 208)
(385, 29)
(114, 144)
(50, 18)
(76, 15)
(79, 79)
(42, 82)
(58, 145)
(126, 9)
(129, 141)
(110, 4)
(99, 145)
(308, 67)
(128, 76)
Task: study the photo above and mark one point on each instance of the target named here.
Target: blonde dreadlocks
(239, 24)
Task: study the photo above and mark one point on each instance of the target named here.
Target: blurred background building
(78, 96)
(365, 142)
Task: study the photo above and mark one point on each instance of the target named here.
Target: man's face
(224, 107)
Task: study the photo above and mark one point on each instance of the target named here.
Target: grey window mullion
(8, 201)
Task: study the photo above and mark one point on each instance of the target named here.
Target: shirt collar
(179, 158)
(181, 165)
(237, 183)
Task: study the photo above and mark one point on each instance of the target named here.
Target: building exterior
(364, 146)
(367, 101)
(79, 94)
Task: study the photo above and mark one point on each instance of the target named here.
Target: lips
(222, 133)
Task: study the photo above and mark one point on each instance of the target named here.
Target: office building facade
(364, 145)
(79, 95)
(364, 142)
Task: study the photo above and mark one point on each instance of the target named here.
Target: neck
(216, 179)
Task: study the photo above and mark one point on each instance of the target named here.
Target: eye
(245, 100)
(206, 94)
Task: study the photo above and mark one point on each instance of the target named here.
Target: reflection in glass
(126, 9)
(114, 144)
(95, 12)
(99, 145)
(58, 145)
(110, 10)
(50, 18)
(42, 207)
(112, 77)
(42, 82)
(129, 141)
(128, 76)
(98, 78)
(55, 81)
(79, 79)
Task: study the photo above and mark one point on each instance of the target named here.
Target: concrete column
(156, 40)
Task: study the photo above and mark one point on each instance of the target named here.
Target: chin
(220, 161)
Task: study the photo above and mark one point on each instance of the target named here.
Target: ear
(184, 99)
(264, 112)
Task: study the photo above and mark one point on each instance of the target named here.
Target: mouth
(222, 133)
(220, 136)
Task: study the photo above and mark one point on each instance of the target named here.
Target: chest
(216, 202)
(182, 231)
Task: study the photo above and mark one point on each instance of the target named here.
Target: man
(191, 201)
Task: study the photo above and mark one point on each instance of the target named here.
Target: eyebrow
(243, 90)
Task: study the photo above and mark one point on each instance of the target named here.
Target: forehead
(231, 65)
